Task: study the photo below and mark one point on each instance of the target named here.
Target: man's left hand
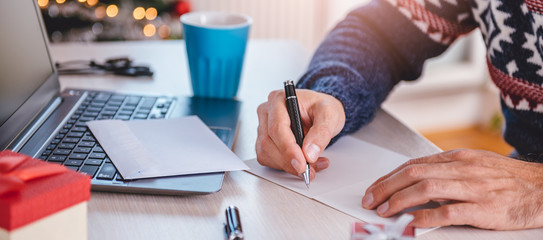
(480, 188)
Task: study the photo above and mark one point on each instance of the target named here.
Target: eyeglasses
(118, 66)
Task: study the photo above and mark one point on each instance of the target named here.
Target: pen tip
(306, 176)
(306, 180)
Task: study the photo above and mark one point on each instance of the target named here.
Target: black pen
(232, 227)
(296, 121)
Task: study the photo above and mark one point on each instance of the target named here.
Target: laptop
(39, 120)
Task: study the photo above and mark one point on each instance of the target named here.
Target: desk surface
(267, 210)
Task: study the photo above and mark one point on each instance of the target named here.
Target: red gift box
(361, 231)
(31, 190)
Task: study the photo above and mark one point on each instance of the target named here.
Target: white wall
(337, 9)
(300, 20)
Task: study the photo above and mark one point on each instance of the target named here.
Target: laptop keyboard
(74, 145)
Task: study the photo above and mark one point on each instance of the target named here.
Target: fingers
(482, 189)
(281, 134)
(323, 118)
(423, 192)
(407, 176)
(276, 146)
(436, 158)
(279, 131)
(268, 153)
(460, 163)
(452, 214)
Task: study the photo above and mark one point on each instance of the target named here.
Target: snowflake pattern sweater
(386, 41)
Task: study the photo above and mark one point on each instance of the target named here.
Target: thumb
(327, 119)
(316, 139)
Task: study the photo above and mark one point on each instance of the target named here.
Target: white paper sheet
(164, 147)
(354, 166)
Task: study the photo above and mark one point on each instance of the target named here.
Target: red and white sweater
(386, 41)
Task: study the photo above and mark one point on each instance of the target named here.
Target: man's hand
(483, 189)
(322, 116)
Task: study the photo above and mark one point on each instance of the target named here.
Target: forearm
(364, 56)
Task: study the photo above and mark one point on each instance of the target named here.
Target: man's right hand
(323, 117)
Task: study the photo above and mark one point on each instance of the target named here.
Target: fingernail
(383, 208)
(322, 165)
(313, 152)
(367, 200)
(296, 165)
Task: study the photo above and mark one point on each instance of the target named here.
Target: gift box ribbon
(13, 180)
(390, 232)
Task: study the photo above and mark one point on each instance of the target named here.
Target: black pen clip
(232, 227)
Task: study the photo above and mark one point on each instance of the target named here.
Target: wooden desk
(267, 210)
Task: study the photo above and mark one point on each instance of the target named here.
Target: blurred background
(454, 104)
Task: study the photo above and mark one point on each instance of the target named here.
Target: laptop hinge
(81, 96)
(35, 125)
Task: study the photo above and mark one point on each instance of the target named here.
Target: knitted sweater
(386, 41)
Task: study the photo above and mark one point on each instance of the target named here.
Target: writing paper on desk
(163, 147)
(354, 166)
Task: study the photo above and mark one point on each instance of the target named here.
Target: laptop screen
(24, 61)
(28, 81)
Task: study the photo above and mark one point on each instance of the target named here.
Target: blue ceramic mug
(215, 43)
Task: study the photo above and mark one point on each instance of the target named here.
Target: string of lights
(106, 20)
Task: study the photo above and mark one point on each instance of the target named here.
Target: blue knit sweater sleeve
(364, 56)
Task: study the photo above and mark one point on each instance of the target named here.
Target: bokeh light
(138, 13)
(100, 12)
(43, 3)
(151, 13)
(164, 31)
(92, 2)
(112, 10)
(149, 30)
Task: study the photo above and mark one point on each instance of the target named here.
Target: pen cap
(289, 88)
(233, 224)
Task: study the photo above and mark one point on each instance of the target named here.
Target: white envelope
(163, 147)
